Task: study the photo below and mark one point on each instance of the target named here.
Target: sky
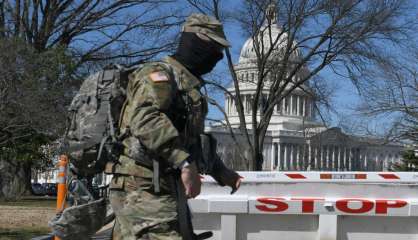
(344, 98)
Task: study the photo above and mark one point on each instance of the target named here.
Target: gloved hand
(230, 178)
(191, 180)
(225, 176)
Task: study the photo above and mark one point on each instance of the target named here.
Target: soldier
(163, 118)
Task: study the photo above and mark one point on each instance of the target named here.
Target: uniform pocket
(116, 183)
(132, 183)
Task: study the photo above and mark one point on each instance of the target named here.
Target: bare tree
(294, 40)
(46, 45)
(393, 94)
(92, 29)
(83, 32)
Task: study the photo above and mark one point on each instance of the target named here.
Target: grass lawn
(26, 218)
(23, 233)
(31, 202)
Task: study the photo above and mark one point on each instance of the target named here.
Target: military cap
(206, 25)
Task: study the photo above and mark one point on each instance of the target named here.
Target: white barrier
(311, 206)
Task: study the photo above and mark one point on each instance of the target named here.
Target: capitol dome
(278, 39)
(296, 111)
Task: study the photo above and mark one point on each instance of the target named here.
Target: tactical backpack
(92, 138)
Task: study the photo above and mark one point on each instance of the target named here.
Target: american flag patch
(158, 77)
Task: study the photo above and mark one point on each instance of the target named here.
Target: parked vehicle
(38, 189)
(50, 189)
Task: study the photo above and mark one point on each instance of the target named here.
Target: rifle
(183, 211)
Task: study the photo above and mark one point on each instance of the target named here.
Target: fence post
(62, 184)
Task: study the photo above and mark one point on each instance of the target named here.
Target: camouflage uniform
(165, 110)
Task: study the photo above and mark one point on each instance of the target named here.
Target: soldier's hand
(231, 178)
(191, 180)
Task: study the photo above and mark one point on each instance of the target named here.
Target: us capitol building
(296, 140)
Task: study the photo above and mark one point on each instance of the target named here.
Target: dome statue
(270, 34)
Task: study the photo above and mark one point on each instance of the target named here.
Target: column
(298, 162)
(291, 164)
(338, 158)
(317, 158)
(297, 157)
(310, 156)
(249, 103)
(275, 161)
(368, 163)
(294, 155)
(322, 163)
(305, 158)
(279, 153)
(350, 159)
(291, 105)
(331, 157)
(304, 107)
(227, 105)
(249, 106)
(297, 105)
(365, 165)
(312, 109)
(288, 105)
(271, 158)
(347, 159)
(244, 102)
(284, 106)
(285, 158)
(232, 106)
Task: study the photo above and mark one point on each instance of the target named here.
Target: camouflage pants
(141, 213)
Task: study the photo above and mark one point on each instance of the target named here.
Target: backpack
(92, 138)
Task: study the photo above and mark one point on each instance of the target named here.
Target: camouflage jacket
(165, 112)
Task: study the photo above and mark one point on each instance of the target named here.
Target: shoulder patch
(158, 77)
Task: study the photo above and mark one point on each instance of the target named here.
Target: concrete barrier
(311, 206)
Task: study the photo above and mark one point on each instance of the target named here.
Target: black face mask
(197, 55)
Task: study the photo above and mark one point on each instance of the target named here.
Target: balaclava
(197, 55)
